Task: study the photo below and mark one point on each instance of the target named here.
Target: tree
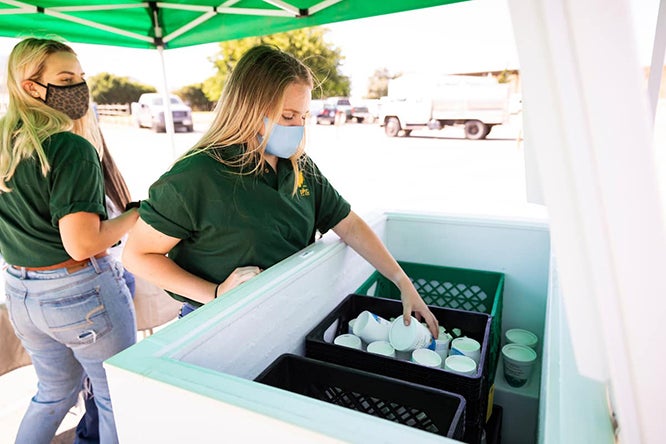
(378, 83)
(507, 76)
(194, 96)
(109, 89)
(306, 44)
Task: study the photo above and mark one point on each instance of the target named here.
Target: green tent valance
(177, 24)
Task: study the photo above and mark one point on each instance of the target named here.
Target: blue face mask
(284, 140)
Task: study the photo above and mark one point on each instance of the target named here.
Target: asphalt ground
(436, 170)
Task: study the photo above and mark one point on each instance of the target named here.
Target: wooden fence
(114, 110)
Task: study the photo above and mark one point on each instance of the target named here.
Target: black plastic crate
(414, 405)
(319, 345)
(449, 287)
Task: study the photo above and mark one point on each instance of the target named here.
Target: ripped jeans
(69, 324)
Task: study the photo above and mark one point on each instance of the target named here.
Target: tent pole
(658, 50)
(166, 98)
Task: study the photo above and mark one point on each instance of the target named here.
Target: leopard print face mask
(70, 99)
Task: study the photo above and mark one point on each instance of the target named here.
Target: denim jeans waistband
(26, 273)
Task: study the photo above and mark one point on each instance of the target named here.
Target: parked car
(341, 104)
(335, 108)
(149, 112)
(360, 114)
(327, 115)
(316, 107)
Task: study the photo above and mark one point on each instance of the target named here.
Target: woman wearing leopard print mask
(66, 296)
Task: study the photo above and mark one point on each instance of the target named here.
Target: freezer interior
(193, 380)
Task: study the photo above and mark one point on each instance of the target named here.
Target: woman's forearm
(165, 273)
(359, 236)
(112, 230)
(84, 234)
(145, 255)
(356, 233)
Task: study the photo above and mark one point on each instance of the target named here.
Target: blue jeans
(186, 309)
(130, 282)
(87, 430)
(69, 324)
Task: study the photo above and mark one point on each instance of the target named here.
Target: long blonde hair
(29, 121)
(254, 90)
(114, 182)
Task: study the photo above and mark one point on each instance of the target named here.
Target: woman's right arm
(145, 256)
(83, 234)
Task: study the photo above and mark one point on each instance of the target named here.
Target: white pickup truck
(417, 101)
(148, 112)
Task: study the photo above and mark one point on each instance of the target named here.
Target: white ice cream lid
(520, 336)
(380, 347)
(401, 336)
(519, 352)
(466, 344)
(348, 340)
(460, 363)
(426, 357)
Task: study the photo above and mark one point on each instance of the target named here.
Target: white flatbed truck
(422, 101)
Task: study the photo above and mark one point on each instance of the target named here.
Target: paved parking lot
(428, 171)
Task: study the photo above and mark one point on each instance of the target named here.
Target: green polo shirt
(29, 214)
(227, 220)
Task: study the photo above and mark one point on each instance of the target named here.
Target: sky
(472, 36)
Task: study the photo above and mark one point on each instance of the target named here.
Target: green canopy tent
(177, 24)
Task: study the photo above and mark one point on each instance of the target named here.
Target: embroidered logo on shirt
(303, 189)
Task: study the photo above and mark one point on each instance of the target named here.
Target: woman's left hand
(412, 302)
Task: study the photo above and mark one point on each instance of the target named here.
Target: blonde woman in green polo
(247, 196)
(66, 296)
